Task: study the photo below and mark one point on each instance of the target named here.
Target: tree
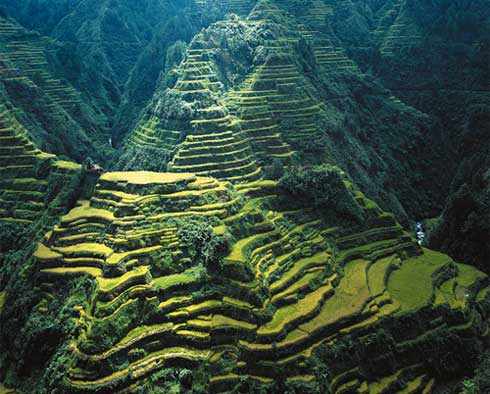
(322, 186)
(203, 244)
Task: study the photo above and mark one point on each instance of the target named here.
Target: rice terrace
(245, 196)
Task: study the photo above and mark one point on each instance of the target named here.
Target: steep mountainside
(432, 55)
(120, 47)
(293, 98)
(463, 229)
(264, 161)
(53, 111)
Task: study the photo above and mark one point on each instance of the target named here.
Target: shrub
(10, 235)
(323, 187)
(163, 264)
(482, 376)
(276, 170)
(203, 244)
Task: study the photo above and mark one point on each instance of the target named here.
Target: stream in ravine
(420, 233)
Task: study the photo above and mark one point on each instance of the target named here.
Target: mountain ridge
(228, 226)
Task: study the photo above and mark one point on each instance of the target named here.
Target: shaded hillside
(292, 98)
(156, 59)
(35, 85)
(42, 16)
(264, 161)
(434, 57)
(120, 48)
(445, 73)
(463, 229)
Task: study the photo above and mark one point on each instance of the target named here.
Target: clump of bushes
(275, 170)
(203, 244)
(164, 264)
(10, 234)
(14, 239)
(322, 187)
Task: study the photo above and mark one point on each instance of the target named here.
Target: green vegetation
(464, 227)
(324, 186)
(203, 245)
(411, 285)
(482, 378)
(230, 228)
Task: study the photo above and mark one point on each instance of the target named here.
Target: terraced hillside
(211, 146)
(115, 57)
(239, 237)
(394, 29)
(278, 88)
(274, 104)
(197, 132)
(28, 74)
(239, 7)
(24, 173)
(289, 289)
(286, 86)
(27, 55)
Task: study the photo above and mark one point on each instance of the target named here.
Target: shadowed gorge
(244, 196)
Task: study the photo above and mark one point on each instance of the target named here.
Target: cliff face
(240, 238)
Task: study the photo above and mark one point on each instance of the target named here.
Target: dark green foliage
(482, 377)
(104, 333)
(178, 380)
(164, 381)
(41, 14)
(11, 260)
(464, 228)
(44, 325)
(175, 54)
(458, 19)
(136, 158)
(10, 234)
(446, 272)
(322, 187)
(62, 189)
(275, 171)
(203, 245)
(163, 264)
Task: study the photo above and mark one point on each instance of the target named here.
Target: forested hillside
(259, 196)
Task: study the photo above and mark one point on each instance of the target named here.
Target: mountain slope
(287, 95)
(287, 285)
(50, 107)
(433, 56)
(240, 239)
